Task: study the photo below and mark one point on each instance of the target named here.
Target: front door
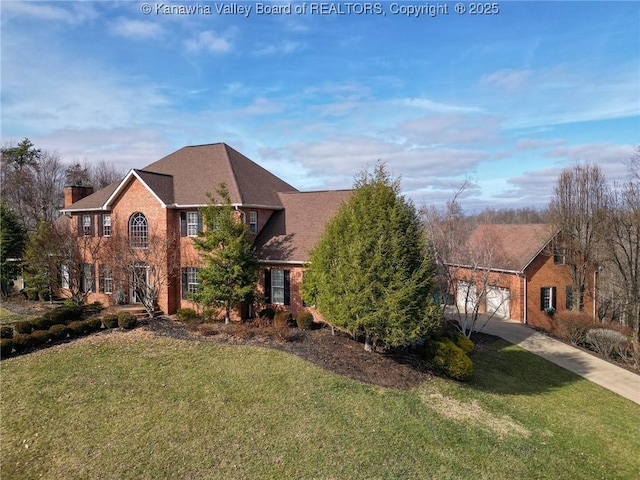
(138, 282)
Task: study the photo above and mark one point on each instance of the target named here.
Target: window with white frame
(253, 222)
(106, 225)
(189, 281)
(106, 280)
(547, 298)
(138, 231)
(87, 277)
(86, 225)
(193, 222)
(64, 273)
(277, 286)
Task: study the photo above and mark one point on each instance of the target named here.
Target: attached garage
(466, 297)
(498, 301)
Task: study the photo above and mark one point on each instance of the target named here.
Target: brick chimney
(73, 193)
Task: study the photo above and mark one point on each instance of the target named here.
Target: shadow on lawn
(501, 369)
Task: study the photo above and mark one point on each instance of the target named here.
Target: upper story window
(138, 231)
(190, 224)
(253, 222)
(193, 221)
(106, 225)
(560, 256)
(86, 225)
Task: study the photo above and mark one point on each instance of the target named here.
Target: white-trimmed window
(87, 277)
(193, 223)
(253, 223)
(189, 281)
(106, 279)
(64, 273)
(277, 286)
(547, 298)
(86, 225)
(106, 225)
(138, 231)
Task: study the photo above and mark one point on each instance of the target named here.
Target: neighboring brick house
(162, 201)
(519, 273)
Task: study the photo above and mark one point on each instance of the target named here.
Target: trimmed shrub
(464, 343)
(64, 314)
(6, 346)
(186, 314)
(304, 320)
(605, 341)
(450, 360)
(23, 327)
(269, 313)
(41, 323)
(58, 332)
(22, 342)
(110, 320)
(40, 337)
(282, 319)
(44, 295)
(77, 328)
(573, 326)
(6, 332)
(93, 324)
(30, 293)
(127, 320)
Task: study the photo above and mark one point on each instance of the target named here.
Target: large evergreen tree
(231, 269)
(12, 243)
(370, 273)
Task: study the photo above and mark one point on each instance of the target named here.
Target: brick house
(157, 207)
(518, 272)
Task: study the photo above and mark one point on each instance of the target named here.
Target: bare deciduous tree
(578, 210)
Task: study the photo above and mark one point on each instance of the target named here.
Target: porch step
(136, 310)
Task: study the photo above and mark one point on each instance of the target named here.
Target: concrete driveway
(599, 371)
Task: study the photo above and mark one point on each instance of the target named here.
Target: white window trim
(106, 225)
(277, 286)
(192, 227)
(253, 222)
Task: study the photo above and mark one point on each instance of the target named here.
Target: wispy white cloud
(435, 106)
(510, 81)
(209, 41)
(284, 47)
(137, 29)
(71, 13)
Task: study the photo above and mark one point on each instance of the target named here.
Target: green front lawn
(131, 405)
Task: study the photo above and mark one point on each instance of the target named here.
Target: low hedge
(6, 346)
(40, 337)
(110, 320)
(24, 327)
(304, 320)
(6, 332)
(58, 332)
(65, 314)
(186, 314)
(449, 359)
(464, 343)
(41, 323)
(22, 342)
(127, 320)
(77, 328)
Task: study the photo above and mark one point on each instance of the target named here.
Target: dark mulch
(337, 353)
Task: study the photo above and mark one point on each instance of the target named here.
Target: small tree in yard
(12, 241)
(231, 269)
(370, 273)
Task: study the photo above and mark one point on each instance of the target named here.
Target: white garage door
(466, 296)
(498, 301)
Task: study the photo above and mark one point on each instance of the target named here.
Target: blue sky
(504, 100)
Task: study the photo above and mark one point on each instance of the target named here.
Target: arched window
(138, 231)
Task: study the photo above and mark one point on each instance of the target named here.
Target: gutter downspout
(524, 279)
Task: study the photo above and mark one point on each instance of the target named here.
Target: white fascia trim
(234, 205)
(282, 262)
(500, 270)
(94, 209)
(125, 180)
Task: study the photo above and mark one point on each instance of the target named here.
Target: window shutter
(183, 225)
(184, 283)
(100, 225)
(569, 297)
(93, 226)
(267, 285)
(287, 288)
(199, 222)
(80, 226)
(553, 297)
(542, 298)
